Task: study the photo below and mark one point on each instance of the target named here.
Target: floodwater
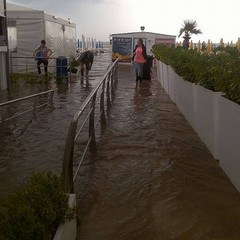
(28, 144)
(153, 179)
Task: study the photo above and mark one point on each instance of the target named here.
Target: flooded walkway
(152, 178)
(30, 144)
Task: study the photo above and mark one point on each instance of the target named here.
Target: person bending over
(86, 61)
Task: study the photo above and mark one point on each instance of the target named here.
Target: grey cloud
(30, 2)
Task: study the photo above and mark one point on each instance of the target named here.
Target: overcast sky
(100, 18)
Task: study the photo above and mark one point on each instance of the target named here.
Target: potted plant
(35, 211)
(73, 66)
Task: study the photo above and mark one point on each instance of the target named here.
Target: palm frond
(189, 27)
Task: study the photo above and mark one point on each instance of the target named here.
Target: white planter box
(162, 65)
(165, 77)
(206, 105)
(68, 230)
(171, 83)
(213, 117)
(158, 64)
(229, 139)
(184, 99)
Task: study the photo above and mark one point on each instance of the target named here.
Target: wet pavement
(30, 144)
(152, 177)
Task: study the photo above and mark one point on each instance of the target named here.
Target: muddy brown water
(28, 144)
(153, 179)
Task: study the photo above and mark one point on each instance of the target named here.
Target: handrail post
(108, 96)
(112, 84)
(102, 108)
(11, 63)
(26, 65)
(92, 145)
(3, 113)
(70, 70)
(34, 107)
(50, 98)
(116, 75)
(67, 169)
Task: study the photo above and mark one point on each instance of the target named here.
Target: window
(12, 36)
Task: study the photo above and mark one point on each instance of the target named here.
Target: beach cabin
(27, 27)
(123, 43)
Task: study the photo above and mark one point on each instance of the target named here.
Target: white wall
(215, 119)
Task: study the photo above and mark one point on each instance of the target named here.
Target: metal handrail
(105, 90)
(49, 102)
(31, 66)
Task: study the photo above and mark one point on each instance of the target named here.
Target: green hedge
(218, 71)
(35, 211)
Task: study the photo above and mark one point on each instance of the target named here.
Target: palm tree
(189, 27)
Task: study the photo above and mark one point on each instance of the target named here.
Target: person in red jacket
(139, 59)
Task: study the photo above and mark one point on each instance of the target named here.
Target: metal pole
(102, 108)
(108, 95)
(112, 84)
(93, 145)
(6, 40)
(67, 169)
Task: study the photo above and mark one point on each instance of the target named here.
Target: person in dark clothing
(43, 54)
(86, 61)
(139, 58)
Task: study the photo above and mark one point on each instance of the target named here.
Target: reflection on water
(86, 84)
(27, 143)
(152, 177)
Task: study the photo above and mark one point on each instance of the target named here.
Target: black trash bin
(147, 68)
(61, 71)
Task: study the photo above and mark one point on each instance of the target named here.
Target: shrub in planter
(218, 71)
(35, 211)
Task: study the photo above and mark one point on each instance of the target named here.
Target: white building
(27, 27)
(123, 44)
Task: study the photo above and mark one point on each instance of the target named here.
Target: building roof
(14, 7)
(14, 11)
(130, 33)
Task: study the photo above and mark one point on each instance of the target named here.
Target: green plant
(74, 63)
(35, 211)
(29, 78)
(219, 71)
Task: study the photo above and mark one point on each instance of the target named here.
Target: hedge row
(218, 71)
